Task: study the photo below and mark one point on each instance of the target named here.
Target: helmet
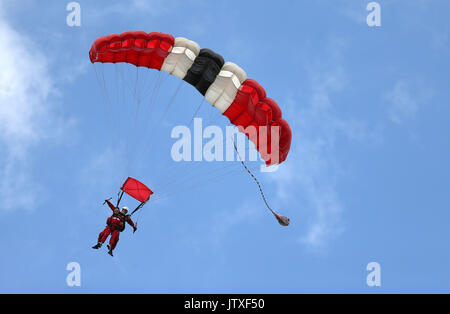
(125, 209)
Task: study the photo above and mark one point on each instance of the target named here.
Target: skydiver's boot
(97, 246)
(110, 252)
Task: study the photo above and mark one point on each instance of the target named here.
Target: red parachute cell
(251, 107)
(135, 47)
(136, 190)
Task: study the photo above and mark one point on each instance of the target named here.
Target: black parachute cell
(204, 70)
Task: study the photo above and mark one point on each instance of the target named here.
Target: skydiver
(114, 226)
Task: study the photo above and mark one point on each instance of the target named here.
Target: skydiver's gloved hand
(134, 229)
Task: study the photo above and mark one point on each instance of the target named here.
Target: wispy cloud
(310, 176)
(307, 183)
(151, 8)
(224, 221)
(26, 116)
(73, 70)
(405, 100)
(98, 174)
(355, 11)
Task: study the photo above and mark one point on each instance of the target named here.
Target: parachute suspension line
(163, 169)
(135, 123)
(126, 83)
(104, 101)
(144, 85)
(254, 178)
(124, 103)
(131, 102)
(137, 99)
(214, 115)
(153, 98)
(171, 181)
(183, 186)
(196, 112)
(117, 140)
(119, 198)
(216, 118)
(148, 85)
(155, 129)
(124, 136)
(99, 84)
(143, 90)
(199, 179)
(137, 208)
(154, 94)
(178, 187)
(135, 85)
(117, 134)
(282, 220)
(105, 87)
(204, 176)
(138, 217)
(108, 110)
(104, 98)
(139, 214)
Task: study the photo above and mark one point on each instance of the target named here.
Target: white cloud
(73, 70)
(151, 8)
(355, 11)
(101, 171)
(308, 180)
(224, 221)
(17, 189)
(26, 117)
(307, 183)
(405, 100)
(24, 89)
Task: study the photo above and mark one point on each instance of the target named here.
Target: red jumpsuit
(114, 226)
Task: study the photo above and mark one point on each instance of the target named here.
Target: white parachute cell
(222, 92)
(181, 57)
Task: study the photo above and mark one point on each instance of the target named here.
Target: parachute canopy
(136, 190)
(224, 84)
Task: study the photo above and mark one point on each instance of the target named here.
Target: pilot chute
(137, 190)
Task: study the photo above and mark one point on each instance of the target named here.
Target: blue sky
(366, 179)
